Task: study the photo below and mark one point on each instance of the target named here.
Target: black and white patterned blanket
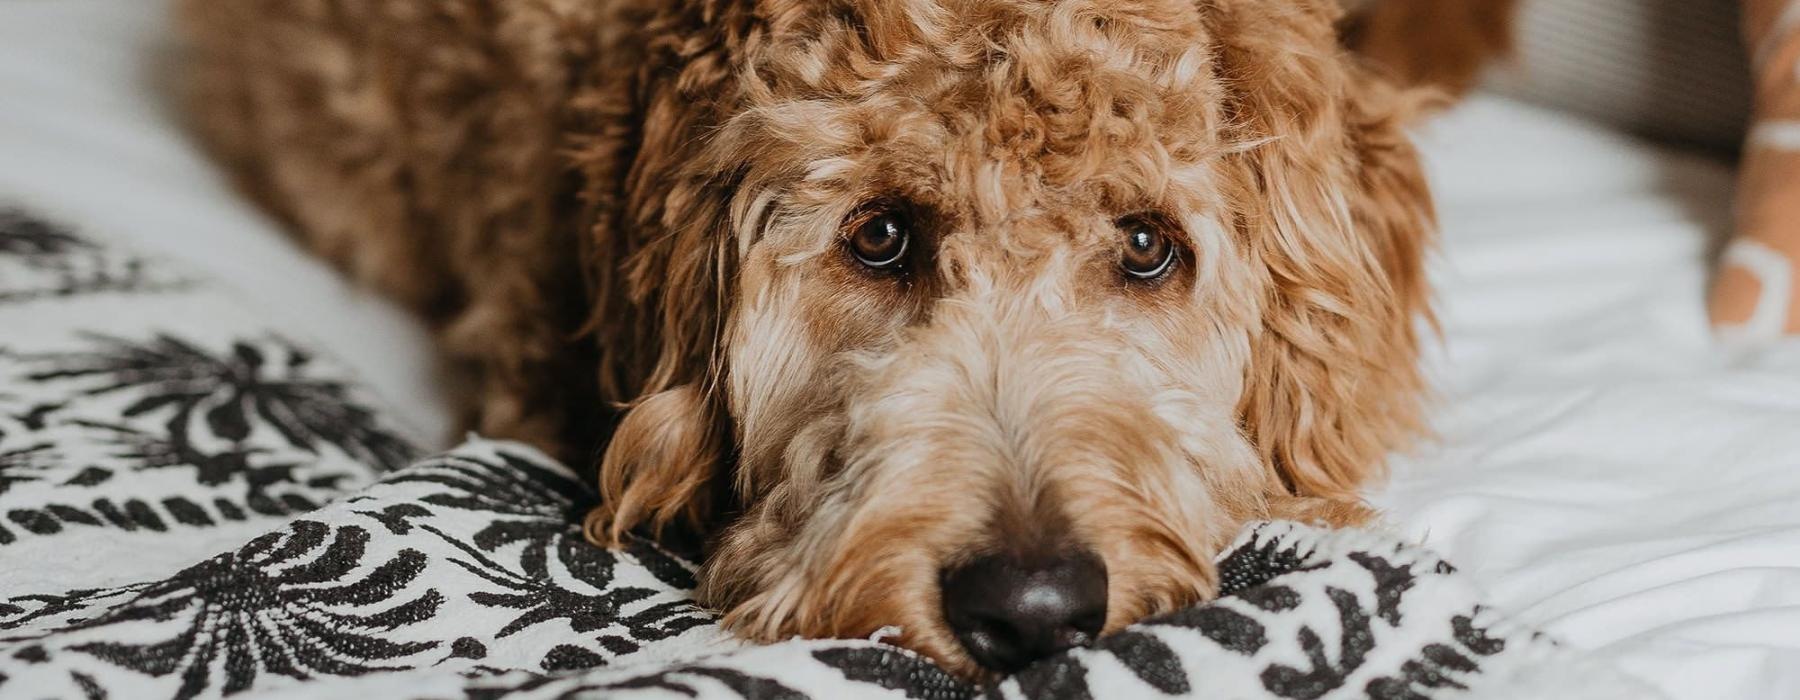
(192, 505)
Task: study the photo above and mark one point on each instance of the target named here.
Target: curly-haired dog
(987, 319)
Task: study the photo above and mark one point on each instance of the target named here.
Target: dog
(991, 321)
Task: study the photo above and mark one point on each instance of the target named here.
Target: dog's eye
(880, 241)
(1147, 253)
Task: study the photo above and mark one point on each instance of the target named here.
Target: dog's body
(1444, 44)
(918, 304)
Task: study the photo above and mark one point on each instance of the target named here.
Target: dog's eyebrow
(828, 168)
(753, 215)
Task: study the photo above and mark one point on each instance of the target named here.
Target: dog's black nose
(1009, 612)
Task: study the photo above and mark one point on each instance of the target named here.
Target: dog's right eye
(879, 240)
(1147, 254)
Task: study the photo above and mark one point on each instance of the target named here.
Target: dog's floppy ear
(659, 258)
(1337, 212)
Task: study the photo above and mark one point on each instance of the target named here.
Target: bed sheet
(1602, 466)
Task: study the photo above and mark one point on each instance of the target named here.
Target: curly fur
(626, 216)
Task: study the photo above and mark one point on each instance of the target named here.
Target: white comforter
(1604, 467)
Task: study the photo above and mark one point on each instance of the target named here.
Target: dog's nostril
(1009, 612)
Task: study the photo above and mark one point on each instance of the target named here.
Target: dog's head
(993, 319)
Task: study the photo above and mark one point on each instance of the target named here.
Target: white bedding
(1604, 468)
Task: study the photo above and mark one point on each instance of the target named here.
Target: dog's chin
(894, 598)
(921, 630)
(894, 616)
(891, 603)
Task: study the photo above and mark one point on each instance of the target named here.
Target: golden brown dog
(992, 320)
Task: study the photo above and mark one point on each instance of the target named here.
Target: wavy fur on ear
(1341, 218)
(659, 468)
(658, 254)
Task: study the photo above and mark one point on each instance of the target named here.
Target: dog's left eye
(880, 241)
(1147, 252)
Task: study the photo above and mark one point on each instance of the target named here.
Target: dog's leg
(416, 145)
(1327, 512)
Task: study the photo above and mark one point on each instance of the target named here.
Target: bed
(1605, 471)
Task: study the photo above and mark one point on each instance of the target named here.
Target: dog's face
(1022, 309)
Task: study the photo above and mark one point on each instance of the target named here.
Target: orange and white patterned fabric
(1755, 294)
